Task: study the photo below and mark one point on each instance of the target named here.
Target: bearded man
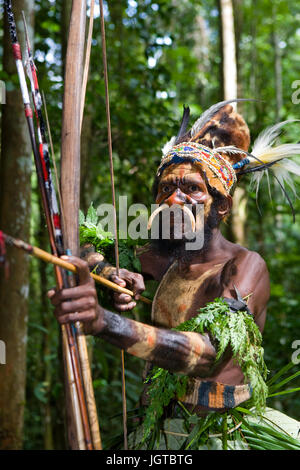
(191, 173)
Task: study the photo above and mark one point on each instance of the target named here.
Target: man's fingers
(83, 270)
(72, 306)
(125, 307)
(71, 293)
(117, 280)
(51, 293)
(122, 298)
(85, 317)
(138, 285)
(133, 281)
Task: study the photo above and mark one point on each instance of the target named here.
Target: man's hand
(132, 281)
(79, 303)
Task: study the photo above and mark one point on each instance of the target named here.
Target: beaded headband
(198, 153)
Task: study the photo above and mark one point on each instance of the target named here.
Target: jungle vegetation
(162, 54)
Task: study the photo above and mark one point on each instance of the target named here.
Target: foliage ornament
(228, 328)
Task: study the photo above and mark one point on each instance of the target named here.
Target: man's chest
(181, 294)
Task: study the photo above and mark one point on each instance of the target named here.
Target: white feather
(283, 170)
(272, 154)
(208, 114)
(266, 138)
(229, 149)
(282, 167)
(168, 146)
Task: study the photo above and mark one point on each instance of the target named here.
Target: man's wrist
(99, 323)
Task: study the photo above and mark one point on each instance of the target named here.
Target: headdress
(200, 154)
(218, 142)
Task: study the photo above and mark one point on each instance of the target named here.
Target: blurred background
(161, 55)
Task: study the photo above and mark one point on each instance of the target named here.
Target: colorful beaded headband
(199, 153)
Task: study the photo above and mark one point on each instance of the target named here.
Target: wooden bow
(70, 192)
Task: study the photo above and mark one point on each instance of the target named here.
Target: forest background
(161, 55)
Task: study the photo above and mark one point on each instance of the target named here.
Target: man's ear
(225, 207)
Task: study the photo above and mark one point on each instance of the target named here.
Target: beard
(176, 248)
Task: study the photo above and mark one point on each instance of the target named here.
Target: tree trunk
(229, 54)
(15, 195)
(239, 214)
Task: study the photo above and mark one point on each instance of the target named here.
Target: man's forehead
(181, 171)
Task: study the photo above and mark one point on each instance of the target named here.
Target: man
(190, 174)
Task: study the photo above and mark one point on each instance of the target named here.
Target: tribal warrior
(194, 171)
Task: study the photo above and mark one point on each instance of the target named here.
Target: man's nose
(177, 197)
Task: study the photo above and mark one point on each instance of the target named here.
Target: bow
(70, 178)
(84, 432)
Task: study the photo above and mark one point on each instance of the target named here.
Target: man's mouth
(174, 216)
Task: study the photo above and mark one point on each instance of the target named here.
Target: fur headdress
(219, 141)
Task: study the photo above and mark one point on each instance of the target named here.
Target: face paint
(184, 184)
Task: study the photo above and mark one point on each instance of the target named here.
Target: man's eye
(166, 189)
(193, 188)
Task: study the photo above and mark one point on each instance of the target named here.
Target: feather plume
(266, 138)
(265, 156)
(184, 123)
(167, 147)
(230, 149)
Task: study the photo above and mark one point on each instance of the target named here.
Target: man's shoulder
(246, 267)
(251, 278)
(250, 259)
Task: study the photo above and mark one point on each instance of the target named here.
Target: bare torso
(185, 288)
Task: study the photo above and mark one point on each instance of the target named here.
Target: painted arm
(184, 352)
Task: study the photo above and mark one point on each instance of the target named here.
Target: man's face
(183, 184)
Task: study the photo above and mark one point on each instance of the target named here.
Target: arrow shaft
(49, 258)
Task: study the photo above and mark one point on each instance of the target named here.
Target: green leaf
(283, 382)
(280, 373)
(91, 217)
(285, 392)
(236, 330)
